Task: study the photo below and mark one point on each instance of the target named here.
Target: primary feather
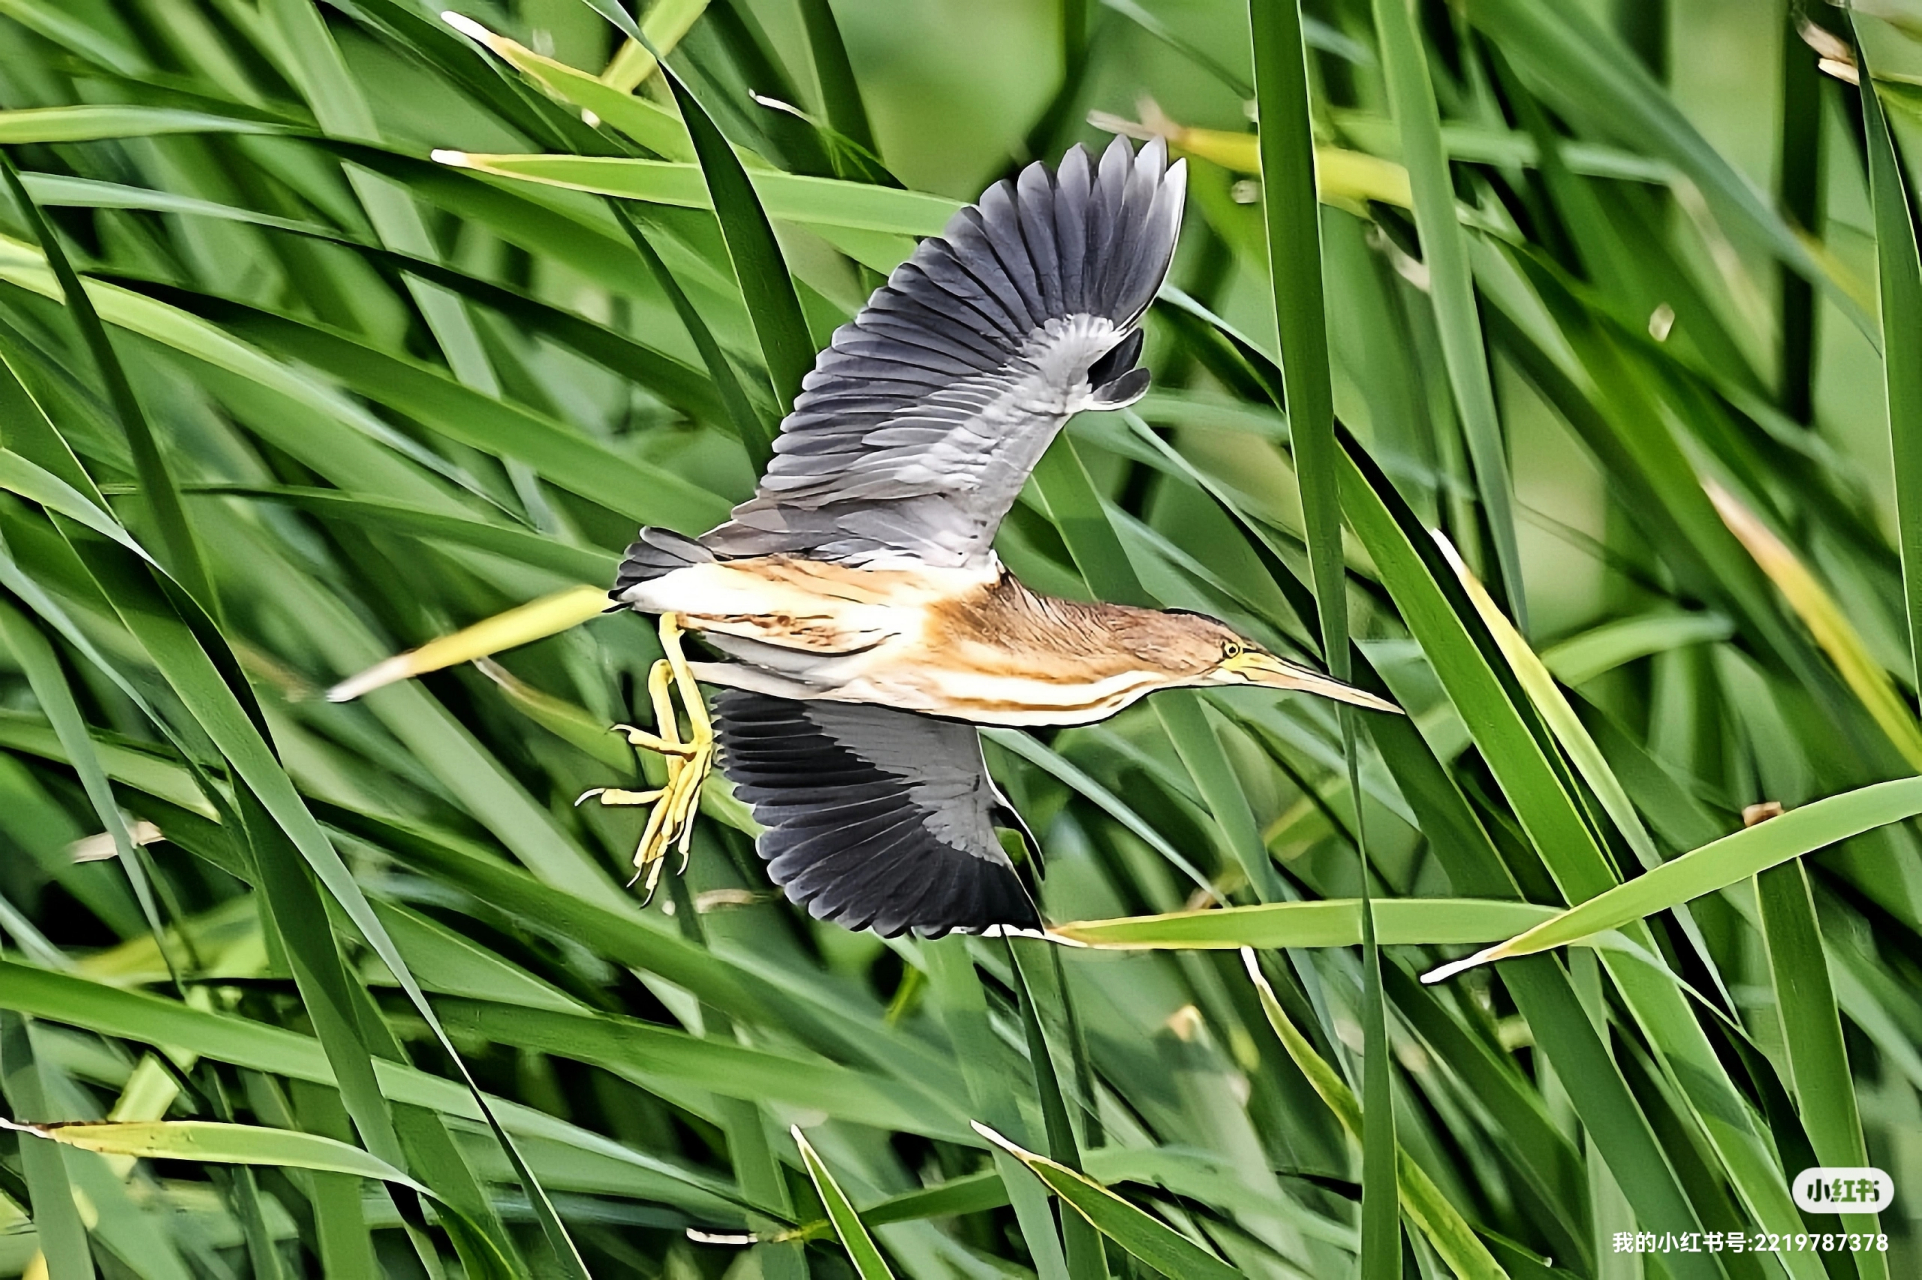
(921, 421)
(876, 819)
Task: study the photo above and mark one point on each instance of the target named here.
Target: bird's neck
(1074, 640)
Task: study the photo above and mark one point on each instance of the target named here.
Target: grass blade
(964, 1013)
(1576, 743)
(840, 91)
(1532, 776)
(1900, 280)
(667, 22)
(1451, 285)
(521, 545)
(36, 484)
(1812, 1032)
(222, 1144)
(225, 1143)
(1292, 219)
(224, 1037)
(294, 914)
(1467, 661)
(1724, 862)
(37, 659)
(1424, 1203)
(969, 1193)
(749, 428)
(340, 1222)
(1827, 622)
(1800, 154)
(1064, 771)
(1080, 1242)
(92, 123)
(1597, 80)
(1152, 1241)
(759, 267)
(198, 680)
(1329, 922)
(862, 1251)
(474, 418)
(1292, 216)
(633, 1047)
(156, 479)
(791, 197)
(651, 125)
(524, 624)
(56, 1217)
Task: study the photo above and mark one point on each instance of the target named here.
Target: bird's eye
(1230, 649)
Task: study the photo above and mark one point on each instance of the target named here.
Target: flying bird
(867, 624)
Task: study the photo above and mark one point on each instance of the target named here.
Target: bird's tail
(655, 553)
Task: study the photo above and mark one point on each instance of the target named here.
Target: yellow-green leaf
(862, 1251)
(1331, 923)
(217, 1143)
(536, 620)
(791, 197)
(1147, 1238)
(1826, 621)
(1713, 866)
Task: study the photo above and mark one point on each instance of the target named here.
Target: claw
(653, 742)
(670, 823)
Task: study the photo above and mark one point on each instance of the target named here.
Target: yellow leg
(701, 735)
(670, 824)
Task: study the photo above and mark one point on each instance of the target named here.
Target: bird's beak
(1251, 666)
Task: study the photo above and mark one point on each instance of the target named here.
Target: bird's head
(1213, 653)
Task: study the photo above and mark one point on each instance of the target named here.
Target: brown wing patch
(816, 633)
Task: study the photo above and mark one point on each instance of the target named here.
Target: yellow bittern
(870, 625)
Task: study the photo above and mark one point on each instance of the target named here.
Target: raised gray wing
(919, 424)
(876, 819)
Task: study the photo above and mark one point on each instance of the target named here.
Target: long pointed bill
(1270, 672)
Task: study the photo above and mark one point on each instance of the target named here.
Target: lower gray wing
(919, 424)
(876, 819)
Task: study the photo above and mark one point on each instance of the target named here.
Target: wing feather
(920, 422)
(874, 818)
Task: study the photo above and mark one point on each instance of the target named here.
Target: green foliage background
(282, 393)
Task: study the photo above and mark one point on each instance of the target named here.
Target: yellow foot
(670, 824)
